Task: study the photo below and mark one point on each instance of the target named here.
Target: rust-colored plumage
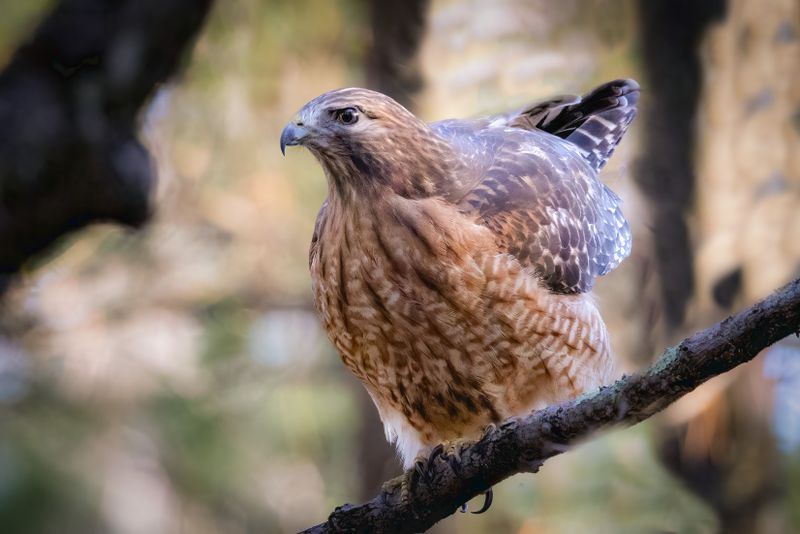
(452, 262)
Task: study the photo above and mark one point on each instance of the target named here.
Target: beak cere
(292, 135)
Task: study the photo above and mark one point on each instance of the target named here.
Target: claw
(435, 453)
(454, 460)
(487, 503)
(419, 472)
(423, 466)
(489, 429)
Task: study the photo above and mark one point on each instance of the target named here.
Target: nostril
(298, 123)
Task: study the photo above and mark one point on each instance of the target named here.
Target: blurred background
(176, 379)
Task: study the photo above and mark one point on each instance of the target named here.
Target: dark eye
(347, 115)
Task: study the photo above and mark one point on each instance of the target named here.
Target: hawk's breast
(447, 333)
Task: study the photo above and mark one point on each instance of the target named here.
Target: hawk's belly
(447, 334)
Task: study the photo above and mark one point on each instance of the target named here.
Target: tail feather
(594, 123)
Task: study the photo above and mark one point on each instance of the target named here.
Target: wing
(539, 192)
(595, 122)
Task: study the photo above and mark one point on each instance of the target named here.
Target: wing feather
(543, 201)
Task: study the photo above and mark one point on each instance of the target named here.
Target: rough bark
(69, 101)
(421, 497)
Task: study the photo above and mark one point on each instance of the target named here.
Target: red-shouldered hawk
(452, 262)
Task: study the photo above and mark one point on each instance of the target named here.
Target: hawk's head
(364, 138)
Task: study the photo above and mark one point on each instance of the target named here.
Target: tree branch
(69, 101)
(416, 500)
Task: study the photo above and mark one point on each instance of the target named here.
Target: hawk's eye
(346, 115)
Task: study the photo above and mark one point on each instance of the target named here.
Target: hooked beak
(292, 135)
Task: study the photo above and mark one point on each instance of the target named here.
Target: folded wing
(531, 177)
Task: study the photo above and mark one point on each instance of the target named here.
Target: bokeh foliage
(176, 379)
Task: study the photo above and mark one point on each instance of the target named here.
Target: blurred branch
(416, 500)
(69, 101)
(397, 30)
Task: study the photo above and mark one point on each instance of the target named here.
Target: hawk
(452, 262)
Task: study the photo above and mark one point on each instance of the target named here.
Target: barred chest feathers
(447, 333)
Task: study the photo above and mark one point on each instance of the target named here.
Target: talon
(487, 503)
(423, 465)
(489, 429)
(454, 461)
(420, 470)
(435, 453)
